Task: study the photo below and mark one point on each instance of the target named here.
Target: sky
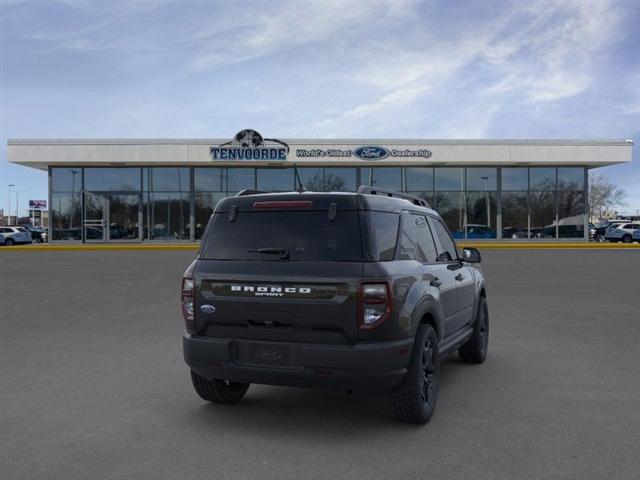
(374, 69)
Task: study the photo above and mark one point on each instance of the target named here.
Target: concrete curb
(194, 247)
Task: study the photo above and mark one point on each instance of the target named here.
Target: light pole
(18, 192)
(487, 203)
(9, 214)
(74, 204)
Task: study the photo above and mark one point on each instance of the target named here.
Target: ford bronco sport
(351, 291)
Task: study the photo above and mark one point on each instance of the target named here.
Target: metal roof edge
(317, 141)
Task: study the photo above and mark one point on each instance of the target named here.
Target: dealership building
(133, 190)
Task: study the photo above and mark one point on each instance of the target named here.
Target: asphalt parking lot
(93, 384)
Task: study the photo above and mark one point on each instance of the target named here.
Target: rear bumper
(370, 366)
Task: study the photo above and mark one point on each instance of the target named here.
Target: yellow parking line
(194, 246)
(137, 246)
(551, 246)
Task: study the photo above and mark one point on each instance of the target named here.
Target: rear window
(304, 235)
(21, 229)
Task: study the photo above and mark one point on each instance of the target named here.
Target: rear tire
(415, 400)
(475, 350)
(218, 391)
(626, 239)
(9, 242)
(599, 238)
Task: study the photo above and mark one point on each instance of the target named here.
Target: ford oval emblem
(371, 153)
(208, 308)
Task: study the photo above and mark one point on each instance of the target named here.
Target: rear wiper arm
(283, 252)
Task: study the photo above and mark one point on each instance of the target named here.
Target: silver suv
(15, 235)
(623, 232)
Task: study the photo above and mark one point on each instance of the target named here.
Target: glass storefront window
(515, 178)
(166, 179)
(419, 179)
(167, 216)
(340, 179)
(542, 178)
(571, 178)
(66, 180)
(571, 211)
(275, 179)
(112, 179)
(451, 207)
(515, 215)
(449, 179)
(481, 215)
(66, 217)
(383, 177)
(240, 179)
(312, 179)
(209, 179)
(205, 202)
(482, 179)
(543, 214)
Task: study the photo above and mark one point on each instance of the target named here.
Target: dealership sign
(250, 145)
(366, 152)
(38, 204)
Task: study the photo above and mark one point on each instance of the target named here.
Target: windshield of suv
(284, 236)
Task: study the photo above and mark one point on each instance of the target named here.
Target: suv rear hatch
(281, 268)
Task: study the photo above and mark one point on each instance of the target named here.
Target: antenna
(298, 181)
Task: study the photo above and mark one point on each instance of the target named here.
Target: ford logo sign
(371, 153)
(208, 308)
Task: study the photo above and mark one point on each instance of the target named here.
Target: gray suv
(353, 291)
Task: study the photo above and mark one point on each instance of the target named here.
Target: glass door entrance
(112, 217)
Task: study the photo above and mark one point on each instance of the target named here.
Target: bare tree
(604, 196)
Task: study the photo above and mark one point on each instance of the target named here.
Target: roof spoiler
(248, 191)
(392, 193)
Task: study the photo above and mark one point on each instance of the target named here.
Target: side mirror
(471, 255)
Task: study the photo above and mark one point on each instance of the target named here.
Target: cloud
(553, 56)
(537, 53)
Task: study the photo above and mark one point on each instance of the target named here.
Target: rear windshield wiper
(283, 252)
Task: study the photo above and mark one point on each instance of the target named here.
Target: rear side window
(21, 229)
(303, 235)
(416, 241)
(449, 252)
(382, 235)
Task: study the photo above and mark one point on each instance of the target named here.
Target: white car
(623, 232)
(15, 235)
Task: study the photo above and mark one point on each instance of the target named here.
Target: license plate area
(267, 354)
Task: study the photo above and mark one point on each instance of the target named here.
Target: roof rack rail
(248, 191)
(392, 193)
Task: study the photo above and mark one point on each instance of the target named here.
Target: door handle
(459, 277)
(435, 282)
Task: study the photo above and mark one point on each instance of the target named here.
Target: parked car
(361, 290)
(15, 235)
(599, 231)
(622, 232)
(514, 232)
(38, 234)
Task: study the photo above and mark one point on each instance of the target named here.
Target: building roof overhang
(43, 153)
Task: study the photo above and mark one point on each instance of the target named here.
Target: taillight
(186, 299)
(374, 304)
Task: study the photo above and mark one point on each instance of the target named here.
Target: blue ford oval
(371, 153)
